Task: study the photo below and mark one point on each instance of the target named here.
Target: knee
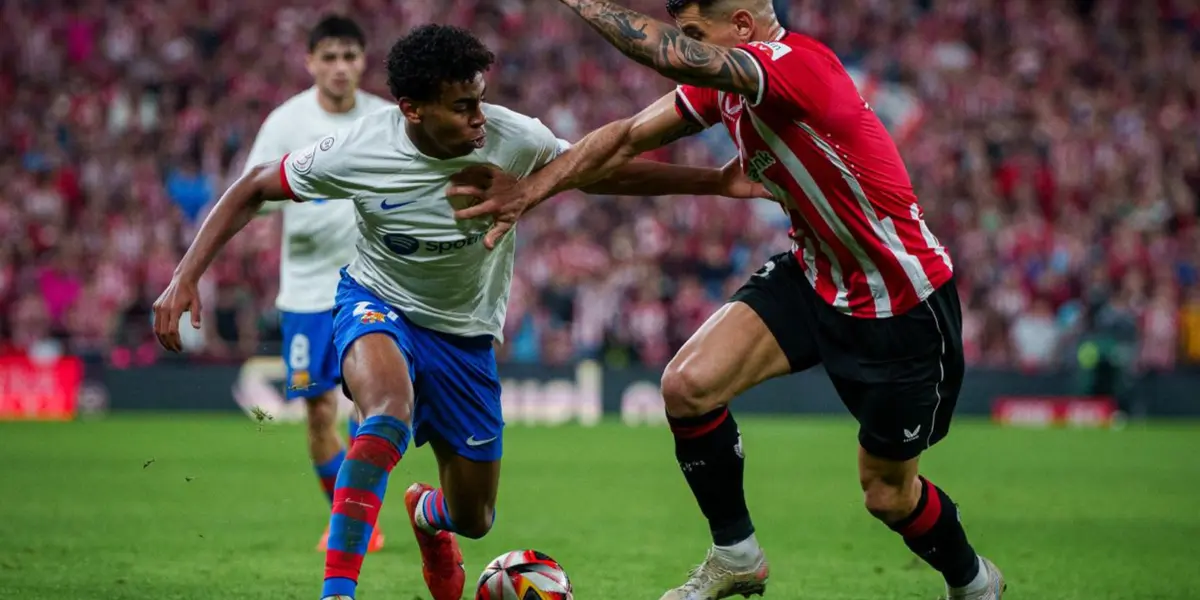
(687, 392)
(889, 501)
(476, 523)
(388, 403)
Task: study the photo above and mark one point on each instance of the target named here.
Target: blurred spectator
(1035, 336)
(1053, 144)
(189, 189)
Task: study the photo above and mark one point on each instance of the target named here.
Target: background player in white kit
(318, 237)
(419, 306)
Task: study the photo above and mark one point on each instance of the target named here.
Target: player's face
(454, 122)
(336, 66)
(726, 30)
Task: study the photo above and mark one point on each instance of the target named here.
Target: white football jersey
(412, 253)
(319, 236)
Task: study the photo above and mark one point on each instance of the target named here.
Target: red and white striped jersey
(813, 141)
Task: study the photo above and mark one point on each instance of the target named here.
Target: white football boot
(993, 591)
(716, 578)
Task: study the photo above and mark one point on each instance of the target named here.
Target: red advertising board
(1054, 411)
(39, 389)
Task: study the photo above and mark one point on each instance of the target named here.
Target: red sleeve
(698, 105)
(791, 77)
(285, 183)
(283, 179)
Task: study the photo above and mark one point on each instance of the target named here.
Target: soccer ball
(524, 575)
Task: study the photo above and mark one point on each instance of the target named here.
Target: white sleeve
(322, 171)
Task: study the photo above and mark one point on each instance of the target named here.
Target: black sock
(709, 451)
(934, 533)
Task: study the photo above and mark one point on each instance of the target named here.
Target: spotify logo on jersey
(402, 244)
(405, 245)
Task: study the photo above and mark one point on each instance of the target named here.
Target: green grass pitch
(218, 508)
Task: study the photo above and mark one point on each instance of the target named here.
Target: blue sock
(327, 472)
(352, 427)
(357, 498)
(436, 512)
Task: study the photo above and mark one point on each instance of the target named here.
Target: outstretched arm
(232, 212)
(602, 163)
(593, 163)
(667, 50)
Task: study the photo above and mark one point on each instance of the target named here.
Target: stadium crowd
(1053, 145)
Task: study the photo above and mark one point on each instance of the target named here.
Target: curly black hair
(430, 55)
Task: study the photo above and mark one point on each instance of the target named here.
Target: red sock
(328, 471)
(357, 498)
(934, 533)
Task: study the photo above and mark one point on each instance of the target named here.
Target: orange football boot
(441, 558)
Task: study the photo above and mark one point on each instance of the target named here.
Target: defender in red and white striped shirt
(809, 136)
(867, 290)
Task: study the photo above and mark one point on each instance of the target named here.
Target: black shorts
(899, 376)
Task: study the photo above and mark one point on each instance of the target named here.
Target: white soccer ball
(524, 575)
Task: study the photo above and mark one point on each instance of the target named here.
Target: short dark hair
(674, 7)
(430, 55)
(336, 27)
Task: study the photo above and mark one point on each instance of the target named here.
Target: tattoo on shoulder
(708, 65)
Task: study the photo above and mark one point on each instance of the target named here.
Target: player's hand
(736, 184)
(498, 195)
(179, 297)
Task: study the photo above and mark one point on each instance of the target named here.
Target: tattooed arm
(592, 165)
(602, 152)
(667, 50)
